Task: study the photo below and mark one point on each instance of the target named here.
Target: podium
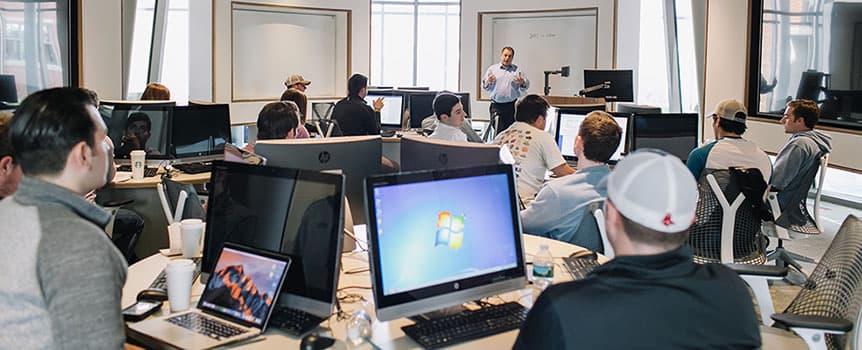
(576, 101)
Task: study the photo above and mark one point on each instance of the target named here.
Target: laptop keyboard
(580, 266)
(207, 326)
(148, 171)
(161, 281)
(194, 168)
(294, 322)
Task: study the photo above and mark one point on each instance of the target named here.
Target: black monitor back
(621, 89)
(200, 130)
(356, 156)
(675, 133)
(8, 91)
(422, 153)
(420, 106)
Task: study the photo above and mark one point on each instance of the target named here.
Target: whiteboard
(270, 43)
(543, 41)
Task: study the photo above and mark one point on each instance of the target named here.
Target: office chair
(126, 237)
(829, 303)
(811, 84)
(590, 233)
(728, 231)
(796, 222)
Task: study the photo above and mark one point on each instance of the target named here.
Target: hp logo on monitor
(324, 157)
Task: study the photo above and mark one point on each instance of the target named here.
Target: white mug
(180, 274)
(192, 230)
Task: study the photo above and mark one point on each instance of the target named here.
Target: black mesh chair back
(749, 244)
(795, 217)
(834, 288)
(193, 208)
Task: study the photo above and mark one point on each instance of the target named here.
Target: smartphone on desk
(141, 310)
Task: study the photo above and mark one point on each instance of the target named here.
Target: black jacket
(355, 117)
(645, 302)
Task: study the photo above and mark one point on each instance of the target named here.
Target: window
(142, 41)
(415, 43)
(160, 48)
(175, 59)
(30, 40)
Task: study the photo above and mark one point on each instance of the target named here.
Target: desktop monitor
(618, 84)
(200, 130)
(569, 125)
(439, 238)
(8, 90)
(422, 153)
(420, 106)
(138, 125)
(356, 156)
(295, 212)
(465, 101)
(637, 109)
(393, 108)
(673, 133)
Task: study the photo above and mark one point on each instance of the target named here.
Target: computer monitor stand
(428, 316)
(349, 243)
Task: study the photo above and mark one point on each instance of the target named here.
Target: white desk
(386, 335)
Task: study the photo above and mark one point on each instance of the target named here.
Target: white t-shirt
(535, 153)
(448, 133)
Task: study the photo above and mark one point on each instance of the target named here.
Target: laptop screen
(244, 286)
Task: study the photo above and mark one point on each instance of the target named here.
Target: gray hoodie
(801, 152)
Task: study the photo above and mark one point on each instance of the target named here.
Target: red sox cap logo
(667, 221)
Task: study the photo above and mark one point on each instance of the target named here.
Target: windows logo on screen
(450, 230)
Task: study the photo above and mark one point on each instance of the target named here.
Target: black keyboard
(294, 322)
(205, 325)
(161, 280)
(194, 168)
(467, 325)
(580, 264)
(148, 171)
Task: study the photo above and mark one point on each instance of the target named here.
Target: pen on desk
(181, 205)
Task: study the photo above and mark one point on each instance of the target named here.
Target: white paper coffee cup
(180, 274)
(192, 229)
(139, 158)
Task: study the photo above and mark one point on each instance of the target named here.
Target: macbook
(236, 303)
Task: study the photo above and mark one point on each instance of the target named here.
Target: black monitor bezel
(624, 140)
(297, 175)
(384, 301)
(166, 107)
(384, 93)
(663, 116)
(218, 107)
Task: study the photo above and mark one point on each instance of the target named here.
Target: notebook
(236, 303)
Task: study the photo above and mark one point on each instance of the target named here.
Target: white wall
(101, 48)
(247, 111)
(726, 63)
(469, 35)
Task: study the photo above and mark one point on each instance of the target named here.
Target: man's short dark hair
(277, 119)
(299, 98)
(530, 108)
(355, 84)
(508, 48)
(47, 125)
(731, 126)
(5, 144)
(601, 135)
(443, 104)
(807, 110)
(139, 117)
(644, 235)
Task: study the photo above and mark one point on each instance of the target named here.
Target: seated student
(450, 112)
(534, 150)
(66, 275)
(651, 295)
(276, 120)
(156, 92)
(801, 154)
(354, 116)
(730, 149)
(301, 101)
(430, 123)
(10, 171)
(559, 207)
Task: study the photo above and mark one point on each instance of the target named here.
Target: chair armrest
(118, 203)
(758, 270)
(814, 322)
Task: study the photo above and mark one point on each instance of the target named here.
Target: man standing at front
(63, 277)
(651, 295)
(506, 83)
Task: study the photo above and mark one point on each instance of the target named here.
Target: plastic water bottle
(359, 326)
(543, 268)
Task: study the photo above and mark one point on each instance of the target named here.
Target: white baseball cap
(654, 189)
(731, 109)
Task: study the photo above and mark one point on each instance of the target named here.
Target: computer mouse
(316, 342)
(155, 294)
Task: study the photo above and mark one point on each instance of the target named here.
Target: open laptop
(236, 303)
